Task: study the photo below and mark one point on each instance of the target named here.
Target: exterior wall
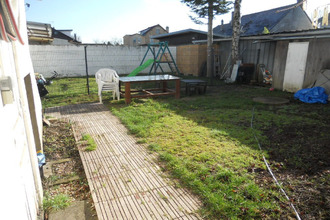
(133, 40)
(318, 58)
(296, 19)
(190, 59)
(154, 31)
(250, 53)
(138, 39)
(20, 188)
(70, 60)
(183, 39)
(223, 51)
(280, 63)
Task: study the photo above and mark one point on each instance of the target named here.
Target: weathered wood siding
(190, 59)
(318, 58)
(251, 51)
(279, 64)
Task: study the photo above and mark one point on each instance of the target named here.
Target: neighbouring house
(287, 18)
(64, 37)
(321, 16)
(183, 37)
(20, 121)
(144, 37)
(42, 33)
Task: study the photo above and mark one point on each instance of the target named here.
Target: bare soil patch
(67, 174)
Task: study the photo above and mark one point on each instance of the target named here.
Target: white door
(295, 66)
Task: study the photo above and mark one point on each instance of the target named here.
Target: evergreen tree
(208, 9)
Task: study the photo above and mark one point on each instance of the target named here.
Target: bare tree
(236, 31)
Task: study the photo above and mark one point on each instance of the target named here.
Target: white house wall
(70, 60)
(20, 188)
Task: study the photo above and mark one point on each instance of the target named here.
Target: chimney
(302, 4)
(232, 18)
(167, 29)
(221, 27)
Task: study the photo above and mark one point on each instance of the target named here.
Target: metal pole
(86, 69)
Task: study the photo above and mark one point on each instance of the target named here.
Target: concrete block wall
(69, 60)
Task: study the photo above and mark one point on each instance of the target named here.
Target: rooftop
(253, 24)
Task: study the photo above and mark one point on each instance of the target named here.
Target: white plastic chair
(107, 80)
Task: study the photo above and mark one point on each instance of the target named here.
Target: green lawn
(65, 91)
(206, 142)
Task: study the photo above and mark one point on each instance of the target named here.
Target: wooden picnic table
(164, 90)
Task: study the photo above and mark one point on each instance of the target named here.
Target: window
(157, 31)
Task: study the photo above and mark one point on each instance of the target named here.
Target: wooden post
(87, 78)
(127, 92)
(177, 89)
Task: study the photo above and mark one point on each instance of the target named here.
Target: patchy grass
(91, 145)
(65, 91)
(55, 203)
(206, 142)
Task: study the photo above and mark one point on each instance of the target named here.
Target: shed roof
(287, 35)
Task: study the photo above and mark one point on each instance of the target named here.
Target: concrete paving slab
(78, 210)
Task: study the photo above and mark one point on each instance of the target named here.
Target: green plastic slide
(142, 67)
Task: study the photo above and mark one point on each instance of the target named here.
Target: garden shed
(294, 58)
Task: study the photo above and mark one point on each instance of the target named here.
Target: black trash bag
(42, 89)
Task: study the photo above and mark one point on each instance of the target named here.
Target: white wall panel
(69, 60)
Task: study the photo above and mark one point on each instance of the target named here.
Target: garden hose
(270, 170)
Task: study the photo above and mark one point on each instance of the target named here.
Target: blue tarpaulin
(312, 95)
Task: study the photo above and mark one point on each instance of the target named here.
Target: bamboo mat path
(125, 181)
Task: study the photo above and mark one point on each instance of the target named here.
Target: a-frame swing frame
(157, 57)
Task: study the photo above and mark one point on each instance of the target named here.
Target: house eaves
(181, 32)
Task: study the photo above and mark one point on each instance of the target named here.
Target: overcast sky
(110, 20)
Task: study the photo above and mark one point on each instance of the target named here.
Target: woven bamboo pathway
(124, 180)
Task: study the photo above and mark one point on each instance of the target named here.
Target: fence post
(86, 69)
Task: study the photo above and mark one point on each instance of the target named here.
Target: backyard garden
(215, 145)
